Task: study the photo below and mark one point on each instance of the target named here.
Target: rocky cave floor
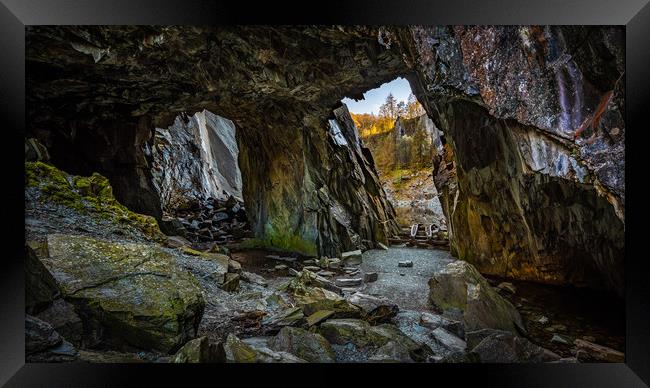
(267, 306)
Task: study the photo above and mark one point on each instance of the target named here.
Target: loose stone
(370, 277)
(348, 282)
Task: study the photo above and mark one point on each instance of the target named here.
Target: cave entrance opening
(403, 141)
(196, 173)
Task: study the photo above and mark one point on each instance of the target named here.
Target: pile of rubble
(209, 220)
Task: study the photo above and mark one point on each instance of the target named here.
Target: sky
(372, 99)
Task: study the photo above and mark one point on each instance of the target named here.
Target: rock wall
(324, 197)
(195, 159)
(277, 84)
(532, 169)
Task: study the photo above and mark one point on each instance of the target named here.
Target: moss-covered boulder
(459, 285)
(309, 346)
(91, 195)
(126, 293)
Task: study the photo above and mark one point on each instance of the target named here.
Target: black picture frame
(634, 14)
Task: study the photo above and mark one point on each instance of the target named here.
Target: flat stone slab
(318, 316)
(348, 282)
(351, 257)
(406, 264)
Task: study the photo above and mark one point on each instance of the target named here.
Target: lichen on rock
(133, 292)
(92, 195)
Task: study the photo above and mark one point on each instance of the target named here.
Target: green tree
(389, 107)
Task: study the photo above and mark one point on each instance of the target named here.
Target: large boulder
(460, 286)
(127, 293)
(309, 346)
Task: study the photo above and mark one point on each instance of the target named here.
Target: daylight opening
(403, 140)
(196, 173)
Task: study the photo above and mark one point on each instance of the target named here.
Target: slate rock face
(126, 293)
(196, 160)
(525, 151)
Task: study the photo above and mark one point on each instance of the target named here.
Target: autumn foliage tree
(395, 152)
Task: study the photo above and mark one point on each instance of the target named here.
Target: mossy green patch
(285, 239)
(135, 291)
(90, 195)
(282, 241)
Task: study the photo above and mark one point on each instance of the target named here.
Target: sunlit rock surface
(195, 159)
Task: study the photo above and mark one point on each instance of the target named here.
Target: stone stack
(209, 220)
